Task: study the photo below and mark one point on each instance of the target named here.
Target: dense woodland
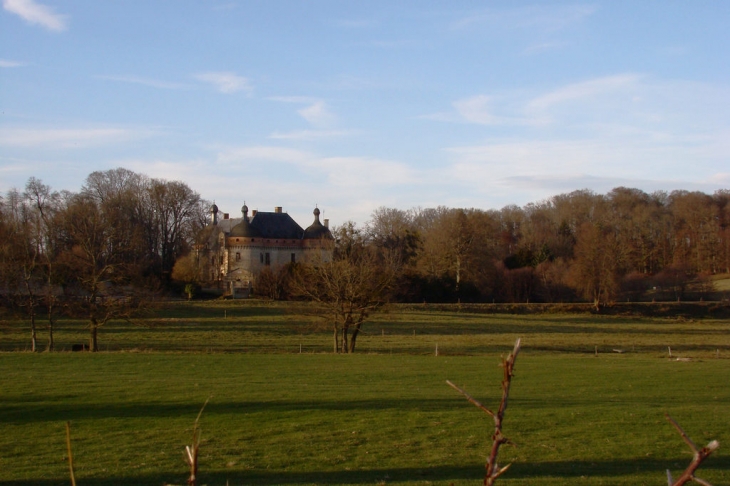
(62, 252)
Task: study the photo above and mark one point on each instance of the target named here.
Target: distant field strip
(278, 328)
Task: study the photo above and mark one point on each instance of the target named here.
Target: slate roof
(274, 225)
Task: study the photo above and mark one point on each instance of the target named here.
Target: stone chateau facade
(239, 249)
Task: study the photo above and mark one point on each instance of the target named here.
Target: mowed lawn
(383, 416)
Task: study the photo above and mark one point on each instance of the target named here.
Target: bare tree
(348, 288)
(103, 274)
(174, 206)
(23, 259)
(46, 207)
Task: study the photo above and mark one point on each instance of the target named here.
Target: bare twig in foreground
(191, 451)
(70, 456)
(699, 456)
(493, 471)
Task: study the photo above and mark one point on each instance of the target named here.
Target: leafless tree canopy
(357, 281)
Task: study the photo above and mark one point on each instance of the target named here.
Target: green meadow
(284, 410)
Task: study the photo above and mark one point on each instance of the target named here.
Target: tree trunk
(353, 338)
(33, 336)
(93, 343)
(51, 344)
(337, 339)
(345, 348)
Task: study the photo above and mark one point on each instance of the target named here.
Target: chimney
(326, 223)
(253, 213)
(277, 209)
(225, 215)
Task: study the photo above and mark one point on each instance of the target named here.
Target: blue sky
(356, 105)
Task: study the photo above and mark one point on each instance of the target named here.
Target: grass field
(261, 327)
(383, 416)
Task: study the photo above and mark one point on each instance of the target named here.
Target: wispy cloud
(67, 138)
(309, 134)
(543, 47)
(5, 63)
(359, 172)
(583, 90)
(293, 99)
(226, 82)
(316, 112)
(476, 110)
(36, 13)
(580, 102)
(544, 18)
(355, 23)
(153, 83)
(262, 153)
(340, 171)
(396, 43)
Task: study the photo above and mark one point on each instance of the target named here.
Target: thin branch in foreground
(493, 471)
(191, 451)
(70, 456)
(699, 456)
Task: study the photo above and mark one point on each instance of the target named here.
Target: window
(238, 257)
(268, 259)
(212, 261)
(221, 260)
(293, 257)
(262, 257)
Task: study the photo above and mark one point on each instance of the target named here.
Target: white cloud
(35, 13)
(65, 138)
(4, 63)
(154, 83)
(225, 82)
(317, 114)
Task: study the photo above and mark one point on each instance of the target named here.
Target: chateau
(239, 249)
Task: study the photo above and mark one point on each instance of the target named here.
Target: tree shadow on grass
(23, 411)
(716, 468)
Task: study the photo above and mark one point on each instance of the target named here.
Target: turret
(214, 214)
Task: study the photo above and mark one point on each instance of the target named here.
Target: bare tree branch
(470, 398)
(493, 470)
(191, 451)
(699, 456)
(70, 456)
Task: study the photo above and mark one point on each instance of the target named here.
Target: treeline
(576, 246)
(97, 253)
